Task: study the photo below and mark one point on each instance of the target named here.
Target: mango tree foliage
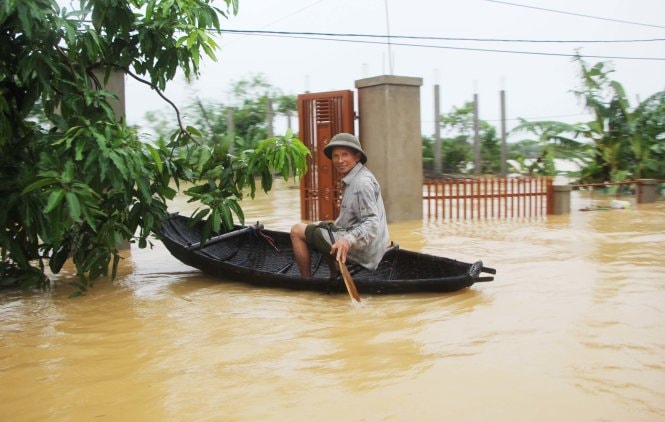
(74, 181)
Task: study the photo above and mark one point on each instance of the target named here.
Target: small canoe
(264, 258)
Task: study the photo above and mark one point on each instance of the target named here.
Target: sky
(537, 86)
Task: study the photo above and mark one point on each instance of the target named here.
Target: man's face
(344, 159)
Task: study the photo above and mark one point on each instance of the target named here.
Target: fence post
(646, 191)
(560, 199)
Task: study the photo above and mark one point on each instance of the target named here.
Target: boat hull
(265, 258)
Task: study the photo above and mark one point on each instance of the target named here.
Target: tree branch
(161, 94)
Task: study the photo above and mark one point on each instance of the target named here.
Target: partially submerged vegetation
(75, 181)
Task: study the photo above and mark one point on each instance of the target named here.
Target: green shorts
(318, 237)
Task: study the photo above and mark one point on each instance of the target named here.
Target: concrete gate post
(116, 85)
(389, 126)
(561, 199)
(646, 191)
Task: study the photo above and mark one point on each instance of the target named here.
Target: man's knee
(317, 238)
(298, 231)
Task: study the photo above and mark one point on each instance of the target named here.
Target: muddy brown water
(572, 328)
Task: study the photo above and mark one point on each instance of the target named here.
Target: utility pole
(437, 132)
(504, 145)
(230, 127)
(270, 115)
(390, 54)
(476, 137)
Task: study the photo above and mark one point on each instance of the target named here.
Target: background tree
(76, 183)
(619, 143)
(554, 140)
(647, 139)
(248, 105)
(457, 151)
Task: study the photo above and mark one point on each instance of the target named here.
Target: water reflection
(572, 327)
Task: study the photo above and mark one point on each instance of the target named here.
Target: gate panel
(485, 198)
(322, 115)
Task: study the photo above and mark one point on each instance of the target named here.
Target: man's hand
(341, 248)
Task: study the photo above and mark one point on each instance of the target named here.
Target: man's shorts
(318, 237)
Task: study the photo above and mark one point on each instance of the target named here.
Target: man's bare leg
(300, 249)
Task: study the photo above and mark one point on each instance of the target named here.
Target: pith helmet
(345, 140)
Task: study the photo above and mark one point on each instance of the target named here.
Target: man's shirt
(362, 218)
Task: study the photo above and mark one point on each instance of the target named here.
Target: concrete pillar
(389, 131)
(647, 191)
(116, 85)
(561, 199)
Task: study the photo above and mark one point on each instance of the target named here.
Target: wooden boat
(265, 258)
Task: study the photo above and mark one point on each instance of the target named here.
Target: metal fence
(486, 197)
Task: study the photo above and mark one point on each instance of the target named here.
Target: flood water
(572, 328)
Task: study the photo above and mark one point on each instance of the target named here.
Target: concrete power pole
(476, 137)
(504, 145)
(270, 116)
(437, 132)
(230, 127)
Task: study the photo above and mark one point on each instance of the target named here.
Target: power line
(488, 50)
(576, 14)
(417, 37)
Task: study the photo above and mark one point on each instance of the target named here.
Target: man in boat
(360, 232)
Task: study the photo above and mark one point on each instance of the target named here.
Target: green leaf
(148, 10)
(26, 20)
(181, 40)
(98, 15)
(235, 207)
(200, 215)
(203, 158)
(54, 200)
(74, 205)
(80, 144)
(68, 172)
(195, 57)
(155, 156)
(191, 40)
(209, 51)
(40, 183)
(216, 220)
(119, 163)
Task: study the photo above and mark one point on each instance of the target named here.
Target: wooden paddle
(348, 281)
(346, 275)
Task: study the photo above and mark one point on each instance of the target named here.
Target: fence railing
(486, 197)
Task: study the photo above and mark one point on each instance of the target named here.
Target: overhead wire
(328, 37)
(434, 38)
(576, 14)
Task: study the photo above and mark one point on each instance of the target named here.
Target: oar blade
(348, 281)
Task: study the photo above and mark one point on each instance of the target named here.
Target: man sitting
(360, 232)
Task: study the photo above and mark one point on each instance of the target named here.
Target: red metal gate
(487, 197)
(322, 115)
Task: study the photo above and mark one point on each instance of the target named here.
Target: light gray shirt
(362, 218)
